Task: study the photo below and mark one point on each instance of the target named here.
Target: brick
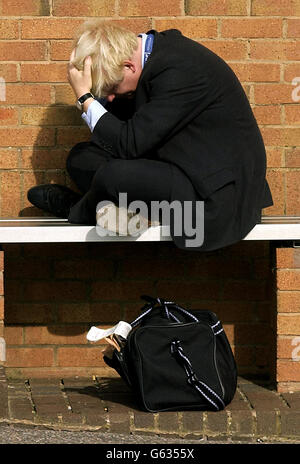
(136, 25)
(52, 28)
(28, 313)
(29, 357)
(287, 347)
(275, 7)
(28, 268)
(292, 158)
(106, 313)
(292, 114)
(218, 267)
(276, 183)
(274, 157)
(168, 421)
(216, 7)
(293, 27)
(251, 27)
(54, 116)
(55, 291)
(89, 269)
(288, 302)
(27, 136)
(189, 290)
(274, 50)
(288, 258)
(281, 136)
(73, 313)
(10, 192)
(64, 95)
(290, 72)
(242, 290)
(8, 116)
(1, 283)
(13, 335)
(252, 333)
(266, 423)
(22, 51)
(28, 8)
(288, 324)
(194, 28)
(288, 279)
(76, 357)
(228, 49)
(131, 268)
(267, 114)
(288, 371)
(83, 8)
(128, 290)
(292, 193)
(34, 158)
(216, 423)
(28, 94)
(241, 423)
(48, 72)
(69, 136)
(143, 420)
(55, 335)
(9, 29)
(290, 424)
(150, 8)
(8, 72)
(272, 93)
(256, 72)
(60, 50)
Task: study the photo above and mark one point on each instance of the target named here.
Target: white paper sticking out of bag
(122, 328)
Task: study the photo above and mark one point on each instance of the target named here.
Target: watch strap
(84, 97)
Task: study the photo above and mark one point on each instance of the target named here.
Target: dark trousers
(101, 177)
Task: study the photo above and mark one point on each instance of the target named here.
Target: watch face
(78, 105)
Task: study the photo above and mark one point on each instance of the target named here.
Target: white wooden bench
(282, 231)
(55, 230)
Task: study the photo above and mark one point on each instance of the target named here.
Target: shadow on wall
(61, 127)
(54, 293)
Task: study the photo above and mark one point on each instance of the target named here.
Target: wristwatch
(82, 99)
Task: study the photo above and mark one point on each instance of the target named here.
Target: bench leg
(288, 319)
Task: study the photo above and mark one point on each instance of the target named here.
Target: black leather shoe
(53, 198)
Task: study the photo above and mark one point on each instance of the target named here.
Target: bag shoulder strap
(205, 391)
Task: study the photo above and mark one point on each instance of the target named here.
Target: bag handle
(152, 302)
(208, 393)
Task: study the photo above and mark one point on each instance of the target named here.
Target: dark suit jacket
(191, 111)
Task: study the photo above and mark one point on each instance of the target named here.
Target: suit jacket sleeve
(175, 96)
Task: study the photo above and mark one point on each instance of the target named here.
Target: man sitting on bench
(169, 121)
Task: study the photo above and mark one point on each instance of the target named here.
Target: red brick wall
(288, 318)
(53, 293)
(38, 121)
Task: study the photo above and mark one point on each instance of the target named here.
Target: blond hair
(109, 46)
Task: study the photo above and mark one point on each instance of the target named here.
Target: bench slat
(56, 230)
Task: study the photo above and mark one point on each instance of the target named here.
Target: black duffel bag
(176, 360)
